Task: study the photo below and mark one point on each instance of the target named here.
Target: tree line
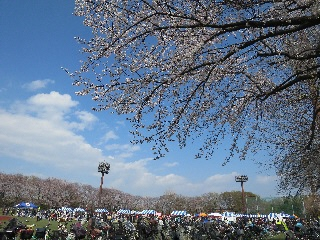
(55, 193)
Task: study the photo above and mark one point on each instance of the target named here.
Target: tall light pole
(242, 179)
(103, 168)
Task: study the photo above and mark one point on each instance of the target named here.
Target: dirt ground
(5, 218)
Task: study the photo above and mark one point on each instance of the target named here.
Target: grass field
(52, 225)
(278, 237)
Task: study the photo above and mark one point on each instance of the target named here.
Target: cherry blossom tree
(206, 70)
(299, 171)
(298, 167)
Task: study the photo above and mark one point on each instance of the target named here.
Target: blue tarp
(26, 205)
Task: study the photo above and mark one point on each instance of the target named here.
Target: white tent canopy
(101, 210)
(148, 212)
(66, 209)
(179, 213)
(215, 214)
(125, 211)
(78, 209)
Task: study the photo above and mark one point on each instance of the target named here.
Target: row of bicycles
(171, 229)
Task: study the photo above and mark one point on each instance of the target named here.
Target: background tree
(205, 69)
(211, 202)
(170, 201)
(231, 201)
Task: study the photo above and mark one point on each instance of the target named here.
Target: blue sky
(48, 131)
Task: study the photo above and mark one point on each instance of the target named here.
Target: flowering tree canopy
(209, 70)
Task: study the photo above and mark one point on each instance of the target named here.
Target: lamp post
(103, 168)
(242, 179)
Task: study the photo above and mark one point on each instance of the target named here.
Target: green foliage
(290, 205)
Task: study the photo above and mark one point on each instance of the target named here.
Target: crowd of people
(105, 225)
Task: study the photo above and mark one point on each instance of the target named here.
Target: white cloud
(53, 101)
(53, 106)
(126, 147)
(87, 119)
(123, 150)
(171, 164)
(262, 179)
(37, 132)
(41, 141)
(110, 135)
(37, 84)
